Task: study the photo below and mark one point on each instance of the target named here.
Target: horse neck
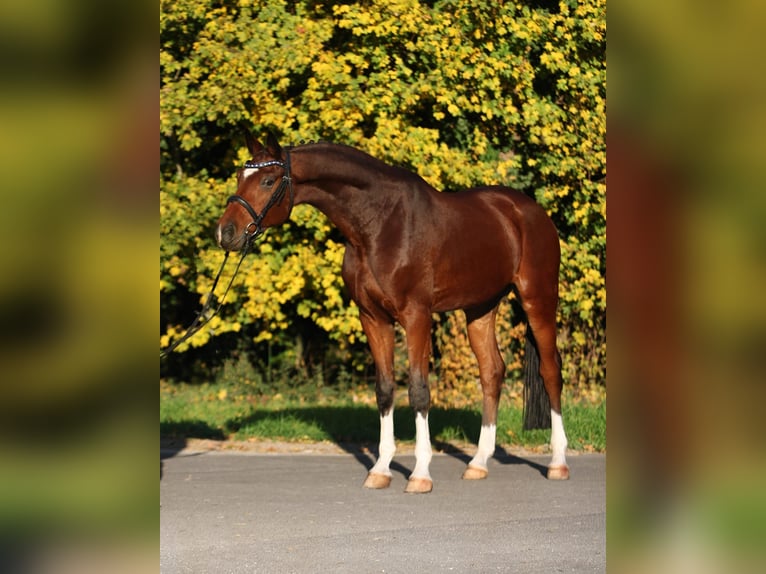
(348, 186)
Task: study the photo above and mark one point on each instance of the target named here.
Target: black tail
(537, 407)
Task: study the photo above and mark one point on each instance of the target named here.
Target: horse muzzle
(227, 237)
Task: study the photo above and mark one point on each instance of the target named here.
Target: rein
(254, 229)
(203, 317)
(252, 232)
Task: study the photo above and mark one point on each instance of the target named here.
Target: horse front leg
(380, 335)
(418, 330)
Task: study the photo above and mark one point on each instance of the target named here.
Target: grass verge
(215, 411)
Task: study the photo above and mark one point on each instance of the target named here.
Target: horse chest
(363, 283)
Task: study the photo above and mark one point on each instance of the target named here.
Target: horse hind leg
(541, 315)
(481, 334)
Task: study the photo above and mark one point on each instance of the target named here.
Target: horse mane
(354, 157)
(304, 143)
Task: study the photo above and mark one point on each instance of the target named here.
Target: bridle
(254, 228)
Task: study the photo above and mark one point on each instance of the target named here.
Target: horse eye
(268, 182)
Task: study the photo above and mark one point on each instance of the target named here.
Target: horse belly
(473, 284)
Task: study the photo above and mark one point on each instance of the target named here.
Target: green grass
(214, 411)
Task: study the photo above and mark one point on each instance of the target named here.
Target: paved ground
(252, 512)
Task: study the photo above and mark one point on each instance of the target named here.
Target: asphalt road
(237, 512)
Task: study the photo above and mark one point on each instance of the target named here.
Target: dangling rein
(203, 317)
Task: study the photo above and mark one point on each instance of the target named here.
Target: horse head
(259, 203)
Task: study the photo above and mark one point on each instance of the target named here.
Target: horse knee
(420, 396)
(384, 393)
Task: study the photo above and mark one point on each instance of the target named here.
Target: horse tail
(537, 406)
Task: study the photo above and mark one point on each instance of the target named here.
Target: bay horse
(412, 251)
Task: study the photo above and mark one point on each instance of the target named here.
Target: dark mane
(353, 158)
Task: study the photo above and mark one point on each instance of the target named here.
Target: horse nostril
(224, 234)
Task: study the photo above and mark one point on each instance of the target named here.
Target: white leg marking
(387, 445)
(422, 447)
(558, 440)
(486, 446)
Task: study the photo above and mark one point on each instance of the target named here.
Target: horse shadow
(174, 437)
(501, 455)
(355, 429)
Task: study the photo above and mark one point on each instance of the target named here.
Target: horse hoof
(377, 481)
(475, 473)
(558, 472)
(419, 486)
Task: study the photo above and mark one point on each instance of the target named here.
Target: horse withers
(411, 252)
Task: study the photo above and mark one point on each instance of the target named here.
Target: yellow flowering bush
(463, 92)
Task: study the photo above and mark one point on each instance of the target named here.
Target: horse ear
(273, 147)
(253, 145)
